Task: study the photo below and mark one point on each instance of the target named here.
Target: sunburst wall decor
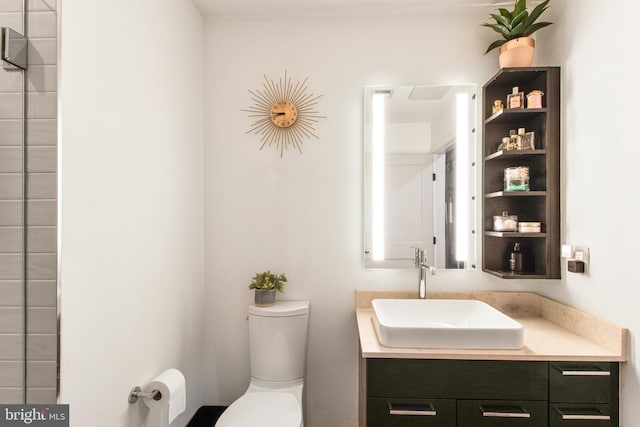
(284, 114)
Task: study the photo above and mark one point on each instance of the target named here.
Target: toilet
(277, 347)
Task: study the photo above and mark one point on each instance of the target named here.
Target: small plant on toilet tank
(266, 284)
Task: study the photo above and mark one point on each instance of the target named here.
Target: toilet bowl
(277, 345)
(265, 407)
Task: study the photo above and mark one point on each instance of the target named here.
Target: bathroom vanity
(567, 373)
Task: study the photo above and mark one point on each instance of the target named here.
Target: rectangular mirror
(419, 175)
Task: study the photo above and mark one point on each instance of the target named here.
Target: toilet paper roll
(173, 393)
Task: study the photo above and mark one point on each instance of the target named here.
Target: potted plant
(516, 26)
(266, 284)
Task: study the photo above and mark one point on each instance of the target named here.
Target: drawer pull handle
(586, 417)
(506, 414)
(412, 409)
(495, 412)
(586, 373)
(583, 417)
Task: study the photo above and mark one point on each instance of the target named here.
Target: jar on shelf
(534, 99)
(505, 222)
(529, 227)
(516, 178)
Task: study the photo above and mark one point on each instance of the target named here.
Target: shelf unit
(542, 203)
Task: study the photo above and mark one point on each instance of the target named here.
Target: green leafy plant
(267, 281)
(516, 23)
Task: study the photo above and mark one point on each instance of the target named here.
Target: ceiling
(345, 7)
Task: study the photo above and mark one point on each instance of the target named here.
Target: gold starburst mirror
(284, 113)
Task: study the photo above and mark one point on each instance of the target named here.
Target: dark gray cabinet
(391, 412)
(542, 203)
(476, 393)
(490, 413)
(584, 394)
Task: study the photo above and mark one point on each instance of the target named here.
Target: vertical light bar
(462, 177)
(377, 163)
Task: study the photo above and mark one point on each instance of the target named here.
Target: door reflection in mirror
(419, 175)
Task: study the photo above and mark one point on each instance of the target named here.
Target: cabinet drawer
(583, 382)
(457, 379)
(383, 412)
(581, 415)
(490, 413)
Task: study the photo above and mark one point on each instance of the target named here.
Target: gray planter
(264, 298)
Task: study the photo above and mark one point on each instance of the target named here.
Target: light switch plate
(567, 251)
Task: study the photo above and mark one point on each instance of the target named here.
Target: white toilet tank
(278, 340)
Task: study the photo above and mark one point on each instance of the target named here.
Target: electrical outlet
(581, 253)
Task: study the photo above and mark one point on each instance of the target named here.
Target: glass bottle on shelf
(513, 140)
(497, 106)
(515, 259)
(515, 100)
(516, 178)
(520, 139)
(504, 145)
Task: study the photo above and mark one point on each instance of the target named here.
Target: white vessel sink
(441, 323)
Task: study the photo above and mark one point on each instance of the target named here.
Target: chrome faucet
(422, 277)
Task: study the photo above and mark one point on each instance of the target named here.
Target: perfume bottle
(515, 100)
(513, 140)
(504, 145)
(497, 106)
(528, 141)
(520, 139)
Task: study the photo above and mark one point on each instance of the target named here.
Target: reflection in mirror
(419, 175)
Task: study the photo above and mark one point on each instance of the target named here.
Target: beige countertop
(552, 331)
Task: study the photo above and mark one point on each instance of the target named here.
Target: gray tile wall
(38, 336)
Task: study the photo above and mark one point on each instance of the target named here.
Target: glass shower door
(28, 204)
(12, 213)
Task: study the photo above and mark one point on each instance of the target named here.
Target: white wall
(413, 137)
(132, 223)
(600, 157)
(303, 214)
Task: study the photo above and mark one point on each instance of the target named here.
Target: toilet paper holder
(137, 393)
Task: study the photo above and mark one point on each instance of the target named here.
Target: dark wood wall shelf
(507, 116)
(515, 194)
(542, 203)
(513, 234)
(513, 154)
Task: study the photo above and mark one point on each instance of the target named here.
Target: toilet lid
(264, 409)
